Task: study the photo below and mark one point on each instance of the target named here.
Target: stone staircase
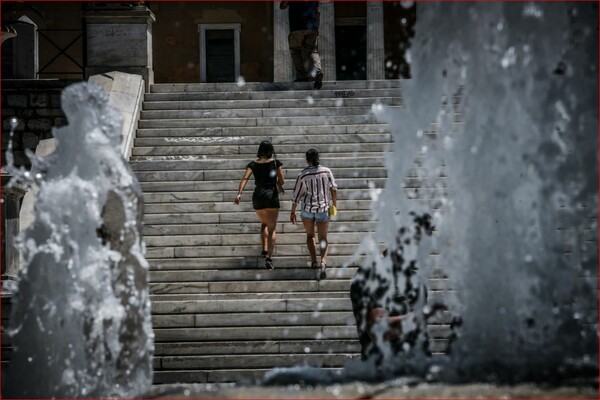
(217, 314)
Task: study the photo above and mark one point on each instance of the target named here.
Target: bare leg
(263, 236)
(309, 227)
(323, 228)
(268, 217)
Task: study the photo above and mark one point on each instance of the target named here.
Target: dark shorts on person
(265, 197)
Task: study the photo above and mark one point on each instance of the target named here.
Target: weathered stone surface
(39, 124)
(38, 99)
(16, 100)
(132, 40)
(30, 140)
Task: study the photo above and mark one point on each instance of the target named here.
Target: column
(11, 203)
(375, 41)
(120, 40)
(282, 61)
(327, 39)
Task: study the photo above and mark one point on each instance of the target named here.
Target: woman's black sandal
(323, 272)
(269, 263)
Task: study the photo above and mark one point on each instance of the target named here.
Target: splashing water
(498, 142)
(513, 170)
(80, 322)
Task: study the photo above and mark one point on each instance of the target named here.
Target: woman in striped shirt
(316, 189)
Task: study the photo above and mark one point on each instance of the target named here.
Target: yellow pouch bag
(332, 211)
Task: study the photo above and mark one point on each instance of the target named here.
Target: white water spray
(80, 322)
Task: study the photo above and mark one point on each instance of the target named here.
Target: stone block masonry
(36, 104)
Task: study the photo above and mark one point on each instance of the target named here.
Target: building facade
(201, 41)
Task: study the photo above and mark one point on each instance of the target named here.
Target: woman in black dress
(265, 199)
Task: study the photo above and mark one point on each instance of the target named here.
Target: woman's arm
(280, 177)
(295, 198)
(243, 183)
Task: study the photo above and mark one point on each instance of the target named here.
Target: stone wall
(36, 104)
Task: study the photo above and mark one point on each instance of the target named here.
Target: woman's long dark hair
(265, 149)
(312, 156)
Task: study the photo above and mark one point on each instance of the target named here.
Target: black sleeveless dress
(265, 178)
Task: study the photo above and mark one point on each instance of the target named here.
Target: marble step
(228, 185)
(244, 239)
(248, 296)
(263, 319)
(271, 86)
(244, 206)
(260, 112)
(248, 157)
(307, 140)
(225, 239)
(242, 250)
(271, 347)
(260, 121)
(214, 376)
(312, 285)
(242, 217)
(220, 175)
(274, 333)
(253, 361)
(259, 347)
(243, 275)
(250, 151)
(263, 131)
(253, 305)
(233, 262)
(282, 320)
(255, 333)
(228, 195)
(297, 163)
(151, 231)
(300, 95)
(307, 102)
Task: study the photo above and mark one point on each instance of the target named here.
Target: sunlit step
(271, 87)
(308, 102)
(264, 131)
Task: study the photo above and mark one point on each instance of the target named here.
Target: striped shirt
(313, 187)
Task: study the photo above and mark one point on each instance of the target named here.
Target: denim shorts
(318, 217)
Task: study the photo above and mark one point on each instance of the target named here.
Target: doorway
(351, 52)
(219, 52)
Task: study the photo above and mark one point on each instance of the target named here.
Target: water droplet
(310, 100)
(528, 258)
(29, 359)
(241, 81)
(307, 349)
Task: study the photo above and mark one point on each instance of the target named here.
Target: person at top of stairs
(268, 173)
(304, 19)
(316, 188)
